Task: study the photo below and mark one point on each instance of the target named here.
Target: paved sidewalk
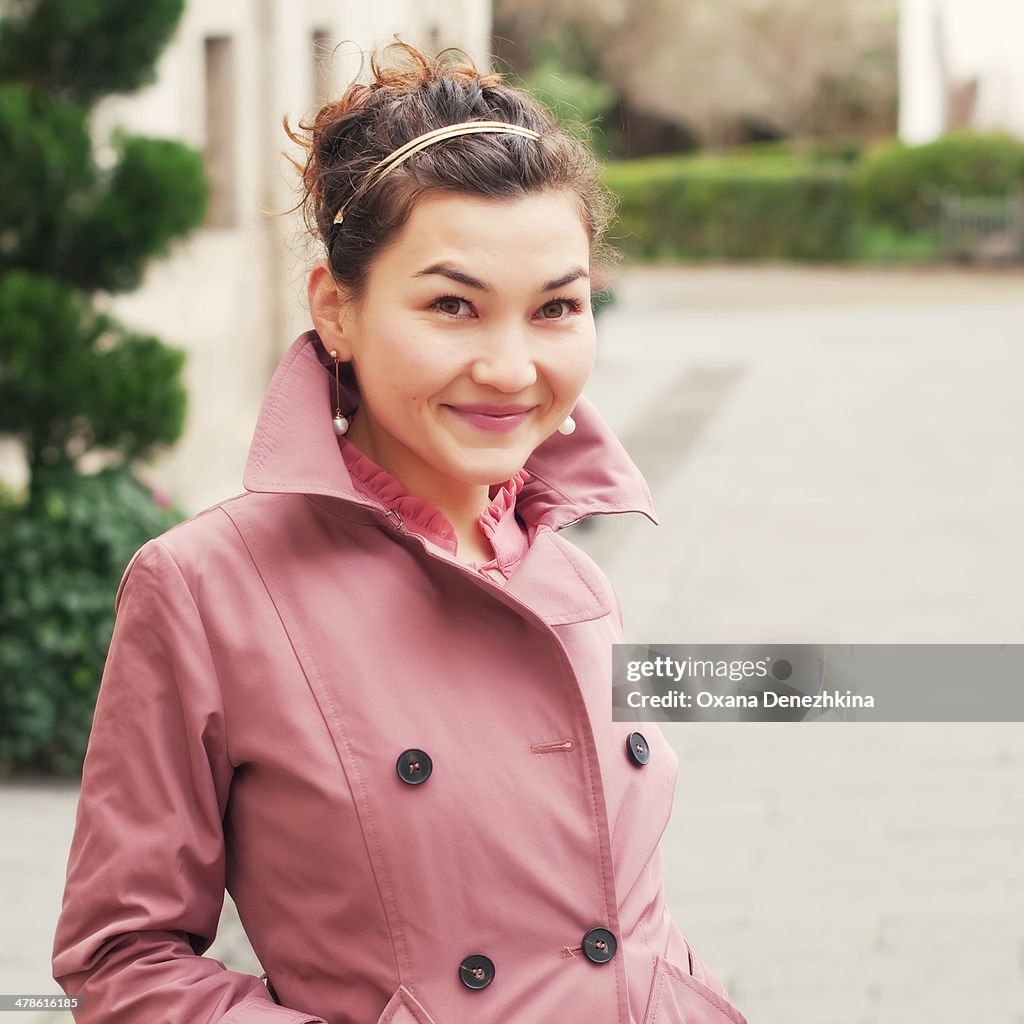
(836, 458)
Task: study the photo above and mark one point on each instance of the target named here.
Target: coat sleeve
(145, 879)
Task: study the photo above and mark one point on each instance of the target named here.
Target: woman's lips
(495, 419)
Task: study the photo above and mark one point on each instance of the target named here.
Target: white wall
(234, 297)
(949, 42)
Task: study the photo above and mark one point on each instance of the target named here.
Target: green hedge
(62, 559)
(766, 202)
(899, 185)
(743, 207)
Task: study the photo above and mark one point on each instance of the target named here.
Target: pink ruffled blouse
(505, 534)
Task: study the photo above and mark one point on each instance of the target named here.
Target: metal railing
(981, 228)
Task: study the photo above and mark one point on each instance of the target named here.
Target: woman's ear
(328, 309)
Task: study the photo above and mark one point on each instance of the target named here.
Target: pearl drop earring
(340, 421)
(567, 426)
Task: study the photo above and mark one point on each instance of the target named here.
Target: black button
(599, 945)
(637, 748)
(414, 766)
(476, 971)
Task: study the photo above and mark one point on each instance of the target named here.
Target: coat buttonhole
(553, 746)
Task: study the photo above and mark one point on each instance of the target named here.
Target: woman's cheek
(578, 370)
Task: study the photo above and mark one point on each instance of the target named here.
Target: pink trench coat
(280, 666)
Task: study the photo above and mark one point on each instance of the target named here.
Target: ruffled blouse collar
(505, 534)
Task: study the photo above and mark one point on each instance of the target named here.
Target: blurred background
(813, 348)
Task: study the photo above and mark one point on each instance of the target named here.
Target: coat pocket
(678, 997)
(403, 1008)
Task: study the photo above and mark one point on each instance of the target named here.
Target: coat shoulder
(208, 543)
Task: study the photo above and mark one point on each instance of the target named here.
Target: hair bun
(408, 95)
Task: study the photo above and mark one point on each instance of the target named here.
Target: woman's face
(472, 341)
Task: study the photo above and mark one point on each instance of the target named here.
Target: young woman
(371, 696)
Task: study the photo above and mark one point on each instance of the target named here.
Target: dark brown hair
(410, 94)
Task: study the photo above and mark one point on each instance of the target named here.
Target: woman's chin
(488, 470)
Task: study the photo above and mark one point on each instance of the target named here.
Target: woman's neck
(461, 505)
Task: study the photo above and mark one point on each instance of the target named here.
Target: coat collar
(294, 450)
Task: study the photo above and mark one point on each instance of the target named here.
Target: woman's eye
(558, 309)
(450, 304)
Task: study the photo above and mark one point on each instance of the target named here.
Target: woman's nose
(505, 362)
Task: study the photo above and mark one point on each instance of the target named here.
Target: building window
(323, 55)
(219, 154)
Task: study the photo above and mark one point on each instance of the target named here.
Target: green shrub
(72, 379)
(120, 390)
(877, 243)
(578, 102)
(744, 206)
(62, 560)
(899, 185)
(79, 51)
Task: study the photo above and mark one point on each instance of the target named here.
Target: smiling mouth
(493, 419)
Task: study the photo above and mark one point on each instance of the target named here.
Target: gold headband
(384, 167)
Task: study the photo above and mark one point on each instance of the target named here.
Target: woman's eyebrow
(444, 270)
